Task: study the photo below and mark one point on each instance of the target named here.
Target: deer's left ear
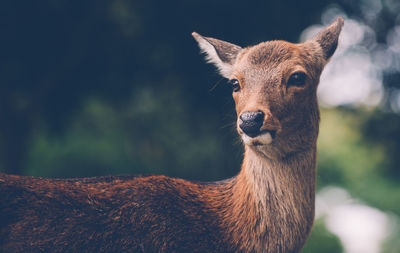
(329, 36)
(221, 53)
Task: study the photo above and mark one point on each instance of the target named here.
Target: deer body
(267, 207)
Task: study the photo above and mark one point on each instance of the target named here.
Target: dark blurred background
(90, 88)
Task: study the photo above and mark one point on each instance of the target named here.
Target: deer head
(274, 87)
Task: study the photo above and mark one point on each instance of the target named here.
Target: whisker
(215, 85)
(231, 124)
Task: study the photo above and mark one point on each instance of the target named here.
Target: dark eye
(235, 85)
(297, 79)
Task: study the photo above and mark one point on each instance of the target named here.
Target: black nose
(251, 122)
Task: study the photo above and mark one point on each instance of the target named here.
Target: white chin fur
(263, 139)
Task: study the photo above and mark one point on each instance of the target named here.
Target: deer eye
(297, 79)
(235, 85)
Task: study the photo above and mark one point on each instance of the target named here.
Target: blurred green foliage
(118, 87)
(149, 136)
(321, 240)
(348, 159)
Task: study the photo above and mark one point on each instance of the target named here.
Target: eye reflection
(297, 79)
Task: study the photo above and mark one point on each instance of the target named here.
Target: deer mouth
(264, 138)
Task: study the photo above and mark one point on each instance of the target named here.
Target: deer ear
(222, 54)
(329, 36)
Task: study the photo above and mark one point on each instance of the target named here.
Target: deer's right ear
(329, 36)
(221, 53)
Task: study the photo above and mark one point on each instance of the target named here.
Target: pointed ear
(222, 54)
(329, 36)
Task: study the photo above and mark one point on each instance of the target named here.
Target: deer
(267, 207)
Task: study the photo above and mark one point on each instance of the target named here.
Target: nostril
(259, 117)
(272, 133)
(251, 122)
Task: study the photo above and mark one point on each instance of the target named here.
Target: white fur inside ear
(225, 69)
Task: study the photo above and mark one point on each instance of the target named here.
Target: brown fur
(268, 207)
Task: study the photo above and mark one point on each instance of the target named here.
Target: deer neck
(273, 199)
